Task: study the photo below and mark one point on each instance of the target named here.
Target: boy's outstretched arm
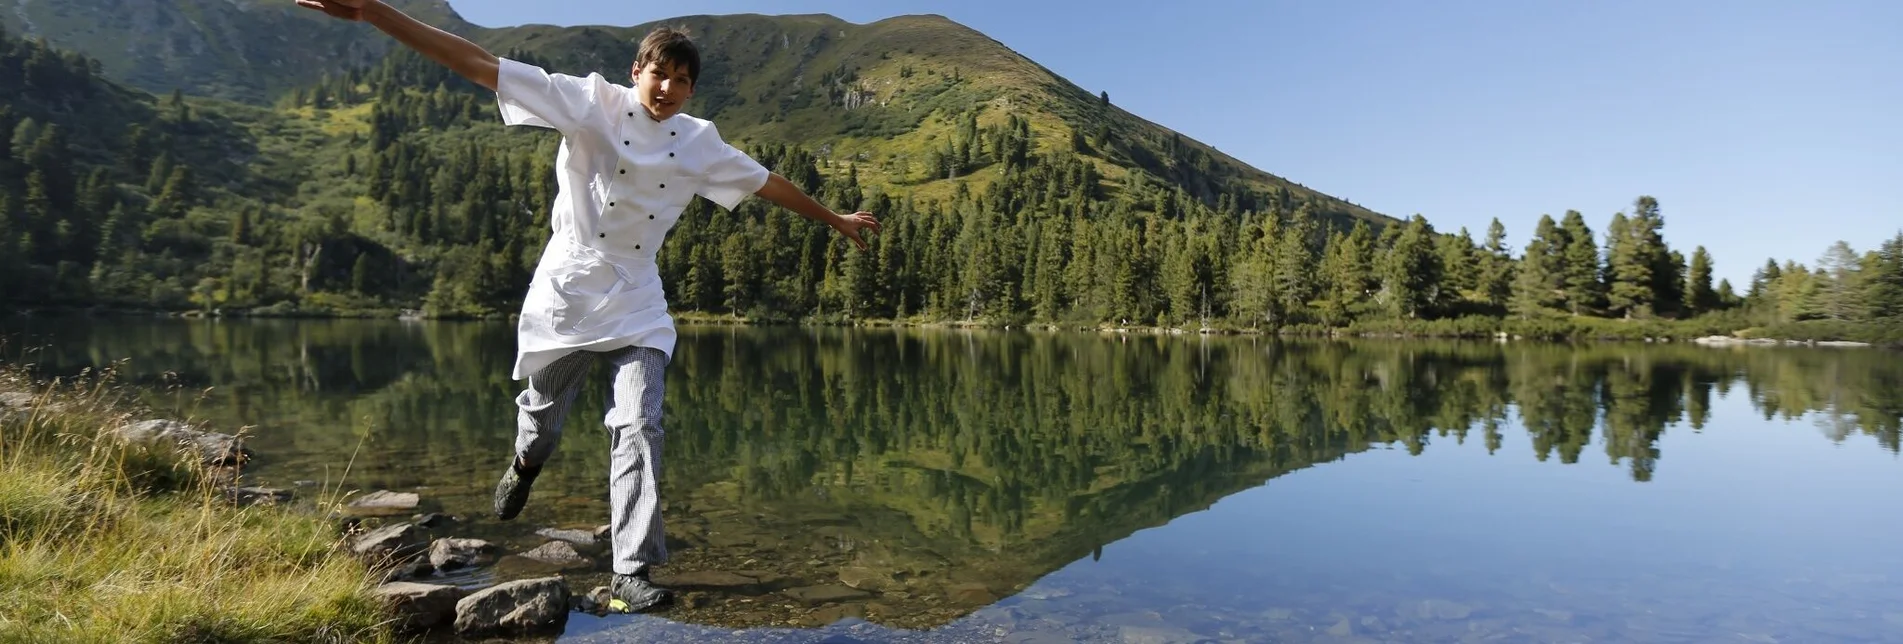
(783, 192)
(459, 55)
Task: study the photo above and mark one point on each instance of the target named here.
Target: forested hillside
(392, 187)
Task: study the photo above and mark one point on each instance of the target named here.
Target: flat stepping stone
(383, 503)
(814, 595)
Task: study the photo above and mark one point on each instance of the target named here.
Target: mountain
(887, 94)
(248, 50)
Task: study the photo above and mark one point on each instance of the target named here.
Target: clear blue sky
(1765, 129)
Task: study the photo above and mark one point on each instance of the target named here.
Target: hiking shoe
(512, 492)
(638, 593)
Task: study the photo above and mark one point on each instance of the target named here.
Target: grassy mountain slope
(887, 94)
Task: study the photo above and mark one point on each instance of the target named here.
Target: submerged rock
(517, 607)
(417, 606)
(577, 537)
(815, 595)
(450, 554)
(713, 580)
(383, 503)
(561, 553)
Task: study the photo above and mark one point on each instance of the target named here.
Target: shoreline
(1561, 330)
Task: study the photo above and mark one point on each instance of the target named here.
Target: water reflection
(932, 479)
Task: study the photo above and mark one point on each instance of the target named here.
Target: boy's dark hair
(669, 46)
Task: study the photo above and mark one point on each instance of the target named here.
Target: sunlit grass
(105, 543)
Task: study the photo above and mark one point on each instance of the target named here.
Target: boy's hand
(849, 226)
(345, 9)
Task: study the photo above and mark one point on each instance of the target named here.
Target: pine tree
(1579, 266)
(1457, 256)
(1666, 271)
(161, 171)
(360, 274)
(1295, 261)
(1253, 277)
(1883, 282)
(1838, 291)
(1763, 282)
(1630, 265)
(1796, 293)
(1541, 281)
(1671, 295)
(1495, 285)
(1699, 296)
(1411, 272)
(177, 196)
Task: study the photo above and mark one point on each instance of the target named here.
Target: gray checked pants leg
(634, 435)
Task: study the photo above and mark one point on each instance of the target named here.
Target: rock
(383, 503)
(1044, 593)
(390, 544)
(303, 483)
(1342, 628)
(595, 602)
(864, 578)
(1158, 635)
(419, 606)
(971, 593)
(257, 496)
(412, 569)
(1562, 616)
(577, 537)
(815, 595)
(605, 532)
(517, 607)
(712, 580)
(836, 612)
(432, 520)
(559, 553)
(211, 448)
(1436, 609)
(450, 554)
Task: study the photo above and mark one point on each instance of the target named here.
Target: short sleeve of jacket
(731, 175)
(528, 95)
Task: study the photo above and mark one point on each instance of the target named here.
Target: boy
(629, 162)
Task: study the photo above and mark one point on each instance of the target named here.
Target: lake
(1010, 486)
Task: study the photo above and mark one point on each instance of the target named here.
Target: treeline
(423, 201)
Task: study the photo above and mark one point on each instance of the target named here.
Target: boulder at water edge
(211, 448)
(389, 545)
(523, 606)
(419, 606)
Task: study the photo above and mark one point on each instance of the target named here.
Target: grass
(101, 542)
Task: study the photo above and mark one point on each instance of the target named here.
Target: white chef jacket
(623, 179)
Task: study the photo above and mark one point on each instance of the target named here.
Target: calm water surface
(839, 486)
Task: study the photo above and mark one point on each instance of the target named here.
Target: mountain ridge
(238, 49)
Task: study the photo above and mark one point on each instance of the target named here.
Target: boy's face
(663, 88)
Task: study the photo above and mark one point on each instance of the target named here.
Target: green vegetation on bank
(101, 542)
(391, 188)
